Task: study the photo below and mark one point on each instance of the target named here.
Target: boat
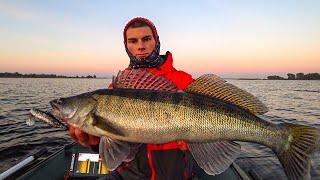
(61, 165)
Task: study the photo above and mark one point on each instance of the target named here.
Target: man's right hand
(83, 138)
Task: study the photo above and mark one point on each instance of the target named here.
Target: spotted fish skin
(209, 110)
(158, 117)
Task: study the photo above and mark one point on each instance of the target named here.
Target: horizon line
(109, 76)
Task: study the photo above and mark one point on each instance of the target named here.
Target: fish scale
(209, 115)
(160, 117)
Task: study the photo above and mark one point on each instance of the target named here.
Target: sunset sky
(239, 38)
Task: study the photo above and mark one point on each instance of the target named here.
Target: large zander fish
(209, 115)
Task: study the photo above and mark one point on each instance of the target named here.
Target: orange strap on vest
(163, 147)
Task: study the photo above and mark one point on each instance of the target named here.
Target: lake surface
(288, 101)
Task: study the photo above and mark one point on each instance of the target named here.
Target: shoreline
(298, 76)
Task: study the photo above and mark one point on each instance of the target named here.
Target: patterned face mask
(154, 59)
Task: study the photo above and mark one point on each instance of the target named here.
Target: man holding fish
(155, 115)
(143, 47)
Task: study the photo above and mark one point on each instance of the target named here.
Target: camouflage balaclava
(154, 59)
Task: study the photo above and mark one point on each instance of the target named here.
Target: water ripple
(306, 90)
(295, 102)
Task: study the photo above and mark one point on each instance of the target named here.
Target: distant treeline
(298, 76)
(18, 75)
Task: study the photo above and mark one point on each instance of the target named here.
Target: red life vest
(181, 79)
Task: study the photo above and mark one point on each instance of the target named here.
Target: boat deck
(57, 166)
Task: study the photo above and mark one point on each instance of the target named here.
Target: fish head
(74, 110)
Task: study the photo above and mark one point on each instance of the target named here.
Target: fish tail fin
(294, 155)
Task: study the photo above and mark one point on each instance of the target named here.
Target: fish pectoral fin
(114, 152)
(106, 125)
(215, 157)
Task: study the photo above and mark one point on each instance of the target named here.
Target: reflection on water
(288, 101)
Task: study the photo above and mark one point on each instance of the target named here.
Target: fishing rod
(23, 163)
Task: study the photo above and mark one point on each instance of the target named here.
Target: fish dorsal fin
(142, 79)
(213, 86)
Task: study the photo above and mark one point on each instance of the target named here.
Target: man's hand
(83, 138)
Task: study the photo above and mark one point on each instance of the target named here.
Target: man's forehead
(139, 32)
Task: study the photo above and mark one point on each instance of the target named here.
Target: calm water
(288, 101)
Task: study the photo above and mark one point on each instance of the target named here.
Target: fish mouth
(56, 104)
(59, 111)
(56, 114)
(56, 108)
